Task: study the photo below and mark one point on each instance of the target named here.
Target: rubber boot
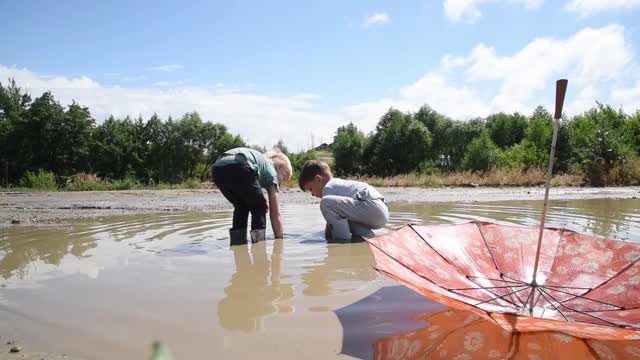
(237, 237)
(258, 235)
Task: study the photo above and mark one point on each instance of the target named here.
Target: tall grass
(40, 181)
(90, 182)
(495, 177)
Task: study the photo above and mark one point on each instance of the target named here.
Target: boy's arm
(274, 212)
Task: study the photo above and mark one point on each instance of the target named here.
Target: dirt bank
(55, 207)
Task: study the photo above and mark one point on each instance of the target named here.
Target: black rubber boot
(257, 235)
(237, 237)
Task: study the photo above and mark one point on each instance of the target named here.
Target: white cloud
(462, 10)
(469, 11)
(628, 97)
(377, 18)
(594, 60)
(584, 100)
(259, 118)
(586, 8)
(599, 64)
(166, 68)
(219, 85)
(589, 57)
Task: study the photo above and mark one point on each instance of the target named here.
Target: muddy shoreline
(24, 208)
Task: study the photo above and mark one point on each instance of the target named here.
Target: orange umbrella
(461, 335)
(522, 278)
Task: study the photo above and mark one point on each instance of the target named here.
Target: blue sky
(291, 69)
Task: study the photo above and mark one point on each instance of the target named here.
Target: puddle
(107, 288)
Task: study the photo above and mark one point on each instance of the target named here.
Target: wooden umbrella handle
(561, 89)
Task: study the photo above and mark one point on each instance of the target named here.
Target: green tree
(505, 129)
(482, 153)
(459, 136)
(399, 144)
(597, 139)
(14, 104)
(439, 127)
(632, 132)
(348, 146)
(116, 149)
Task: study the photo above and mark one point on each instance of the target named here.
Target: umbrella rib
(449, 262)
(500, 297)
(583, 297)
(495, 294)
(524, 304)
(486, 245)
(515, 306)
(551, 303)
(436, 251)
(565, 287)
(413, 271)
(614, 276)
(517, 296)
(538, 299)
(514, 279)
(609, 310)
(580, 312)
(505, 281)
(489, 287)
(495, 263)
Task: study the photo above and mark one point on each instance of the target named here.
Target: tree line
(41, 134)
(429, 142)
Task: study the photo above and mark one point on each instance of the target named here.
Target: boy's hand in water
(327, 232)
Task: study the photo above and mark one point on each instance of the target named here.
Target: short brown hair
(310, 169)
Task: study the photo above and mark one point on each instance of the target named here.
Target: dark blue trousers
(239, 184)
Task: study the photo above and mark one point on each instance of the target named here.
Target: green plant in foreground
(41, 180)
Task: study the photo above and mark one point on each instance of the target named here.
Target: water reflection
(20, 248)
(134, 268)
(457, 334)
(613, 218)
(343, 267)
(30, 254)
(255, 290)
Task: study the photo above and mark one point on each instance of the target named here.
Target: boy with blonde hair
(241, 174)
(351, 208)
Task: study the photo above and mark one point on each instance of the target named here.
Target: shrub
(41, 180)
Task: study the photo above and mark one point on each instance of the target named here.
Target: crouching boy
(351, 208)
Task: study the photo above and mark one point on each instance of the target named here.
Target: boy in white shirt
(351, 208)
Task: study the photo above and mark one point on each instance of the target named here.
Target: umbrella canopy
(461, 335)
(585, 285)
(522, 278)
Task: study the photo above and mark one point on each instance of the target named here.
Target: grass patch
(90, 182)
(39, 181)
(494, 178)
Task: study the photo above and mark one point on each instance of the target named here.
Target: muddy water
(106, 288)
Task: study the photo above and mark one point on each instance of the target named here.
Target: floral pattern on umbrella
(584, 285)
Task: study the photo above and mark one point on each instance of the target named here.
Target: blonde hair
(278, 156)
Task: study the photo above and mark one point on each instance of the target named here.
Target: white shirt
(349, 188)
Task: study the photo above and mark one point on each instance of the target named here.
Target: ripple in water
(116, 284)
